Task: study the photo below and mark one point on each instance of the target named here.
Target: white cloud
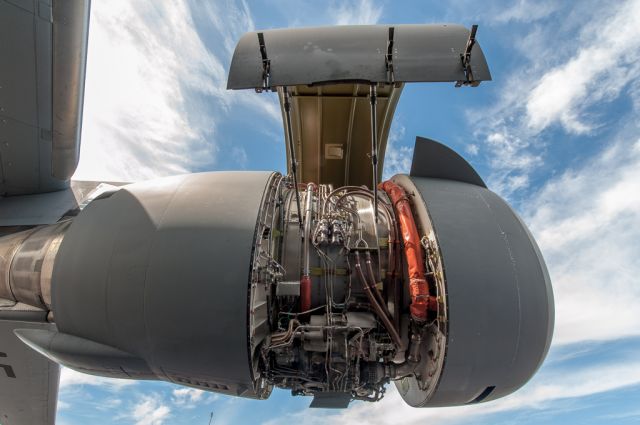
(472, 149)
(356, 12)
(397, 158)
(229, 18)
(70, 378)
(187, 397)
(150, 410)
(142, 59)
(109, 404)
(155, 91)
(607, 58)
(524, 11)
(586, 218)
(570, 69)
(239, 155)
(511, 161)
(542, 393)
(586, 223)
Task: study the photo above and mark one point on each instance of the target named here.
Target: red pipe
(305, 293)
(421, 301)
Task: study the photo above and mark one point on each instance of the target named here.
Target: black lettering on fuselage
(7, 368)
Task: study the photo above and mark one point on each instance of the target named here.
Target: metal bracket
(266, 65)
(465, 59)
(388, 59)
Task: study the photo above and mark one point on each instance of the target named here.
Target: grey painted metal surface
(84, 355)
(70, 39)
(42, 60)
(41, 208)
(499, 296)
(48, 208)
(28, 381)
(432, 53)
(160, 270)
(435, 160)
(354, 53)
(331, 400)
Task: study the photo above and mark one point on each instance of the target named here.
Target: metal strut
(293, 165)
(388, 59)
(465, 59)
(266, 65)
(373, 98)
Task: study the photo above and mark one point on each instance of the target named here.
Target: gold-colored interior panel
(331, 127)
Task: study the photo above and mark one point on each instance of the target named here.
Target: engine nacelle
(218, 281)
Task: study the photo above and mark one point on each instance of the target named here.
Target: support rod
(293, 163)
(373, 98)
(305, 280)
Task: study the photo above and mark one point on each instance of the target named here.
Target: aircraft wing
(28, 380)
(42, 67)
(43, 47)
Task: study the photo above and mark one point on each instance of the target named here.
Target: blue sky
(556, 133)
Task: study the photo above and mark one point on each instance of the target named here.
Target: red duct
(305, 293)
(421, 301)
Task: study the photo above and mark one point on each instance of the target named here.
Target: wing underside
(43, 47)
(28, 380)
(42, 65)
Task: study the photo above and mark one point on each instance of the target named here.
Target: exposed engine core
(336, 297)
(238, 291)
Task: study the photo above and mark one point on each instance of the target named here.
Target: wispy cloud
(155, 91)
(144, 59)
(63, 405)
(150, 410)
(586, 222)
(606, 60)
(70, 378)
(356, 12)
(231, 19)
(189, 398)
(524, 11)
(585, 218)
(397, 158)
(559, 86)
(543, 393)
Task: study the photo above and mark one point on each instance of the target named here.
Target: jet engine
(239, 282)
(220, 281)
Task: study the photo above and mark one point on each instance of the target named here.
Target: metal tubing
(308, 218)
(292, 152)
(373, 98)
(378, 309)
(374, 289)
(305, 280)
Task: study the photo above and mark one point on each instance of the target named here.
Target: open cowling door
(364, 53)
(337, 78)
